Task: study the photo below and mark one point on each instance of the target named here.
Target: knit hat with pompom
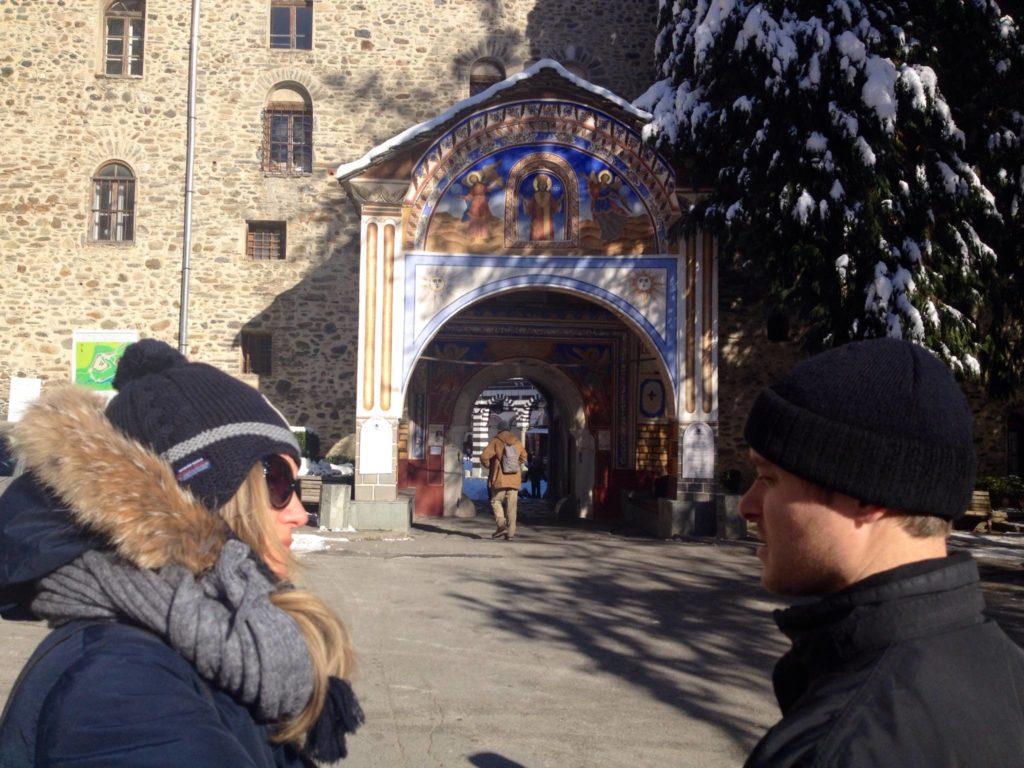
(211, 428)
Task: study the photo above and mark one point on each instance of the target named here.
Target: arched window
(483, 74)
(113, 204)
(288, 132)
(124, 23)
(576, 68)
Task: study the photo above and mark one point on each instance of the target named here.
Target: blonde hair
(248, 514)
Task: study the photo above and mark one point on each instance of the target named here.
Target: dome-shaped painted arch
(664, 347)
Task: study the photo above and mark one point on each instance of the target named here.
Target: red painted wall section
(428, 482)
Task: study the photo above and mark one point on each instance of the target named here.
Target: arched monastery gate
(526, 232)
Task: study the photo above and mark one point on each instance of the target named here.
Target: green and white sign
(95, 355)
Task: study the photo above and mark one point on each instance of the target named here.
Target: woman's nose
(294, 514)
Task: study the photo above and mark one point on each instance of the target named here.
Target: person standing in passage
(504, 456)
(536, 474)
(864, 457)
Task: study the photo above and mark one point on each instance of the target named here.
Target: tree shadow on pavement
(448, 531)
(492, 760)
(691, 628)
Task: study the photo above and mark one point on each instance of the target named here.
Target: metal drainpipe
(193, 54)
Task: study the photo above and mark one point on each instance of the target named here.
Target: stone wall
(991, 420)
(374, 70)
(748, 361)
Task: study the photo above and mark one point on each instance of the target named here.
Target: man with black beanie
(864, 457)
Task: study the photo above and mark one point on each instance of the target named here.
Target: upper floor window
(291, 24)
(113, 204)
(483, 74)
(288, 132)
(124, 22)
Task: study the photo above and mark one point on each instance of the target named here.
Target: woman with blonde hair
(154, 535)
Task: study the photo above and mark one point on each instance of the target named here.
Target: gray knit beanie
(211, 428)
(881, 420)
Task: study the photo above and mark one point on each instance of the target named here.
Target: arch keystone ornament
(539, 186)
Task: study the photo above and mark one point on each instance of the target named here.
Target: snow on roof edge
(348, 169)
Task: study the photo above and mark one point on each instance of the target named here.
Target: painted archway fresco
(557, 200)
(544, 193)
(643, 290)
(541, 176)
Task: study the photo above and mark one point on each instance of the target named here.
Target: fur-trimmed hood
(86, 485)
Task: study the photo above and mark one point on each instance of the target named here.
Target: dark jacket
(105, 693)
(901, 669)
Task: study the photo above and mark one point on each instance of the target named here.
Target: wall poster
(95, 355)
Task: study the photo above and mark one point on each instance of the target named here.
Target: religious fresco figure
(479, 185)
(541, 207)
(608, 206)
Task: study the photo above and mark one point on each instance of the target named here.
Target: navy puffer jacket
(102, 695)
(108, 693)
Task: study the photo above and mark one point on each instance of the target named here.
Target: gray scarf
(222, 622)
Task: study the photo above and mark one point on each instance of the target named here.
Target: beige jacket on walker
(491, 457)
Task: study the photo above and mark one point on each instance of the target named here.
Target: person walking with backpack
(505, 456)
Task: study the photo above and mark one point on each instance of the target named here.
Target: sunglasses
(281, 483)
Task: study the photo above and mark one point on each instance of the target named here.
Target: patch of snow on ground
(990, 547)
(308, 542)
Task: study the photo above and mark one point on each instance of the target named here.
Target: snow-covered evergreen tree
(838, 170)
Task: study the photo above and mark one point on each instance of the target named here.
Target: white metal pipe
(186, 247)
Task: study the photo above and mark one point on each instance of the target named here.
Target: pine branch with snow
(840, 173)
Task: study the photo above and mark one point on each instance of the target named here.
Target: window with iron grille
(257, 351)
(113, 204)
(288, 138)
(291, 24)
(124, 22)
(265, 240)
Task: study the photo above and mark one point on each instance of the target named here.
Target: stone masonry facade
(374, 69)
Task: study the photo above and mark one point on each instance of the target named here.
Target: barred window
(291, 24)
(483, 74)
(124, 22)
(288, 131)
(257, 352)
(265, 240)
(113, 204)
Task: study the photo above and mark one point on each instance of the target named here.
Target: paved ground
(568, 647)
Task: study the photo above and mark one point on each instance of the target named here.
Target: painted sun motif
(434, 287)
(642, 287)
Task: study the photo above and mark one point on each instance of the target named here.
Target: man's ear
(870, 513)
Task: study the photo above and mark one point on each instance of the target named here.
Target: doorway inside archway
(522, 406)
(568, 372)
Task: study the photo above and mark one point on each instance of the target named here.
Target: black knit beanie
(210, 427)
(880, 420)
